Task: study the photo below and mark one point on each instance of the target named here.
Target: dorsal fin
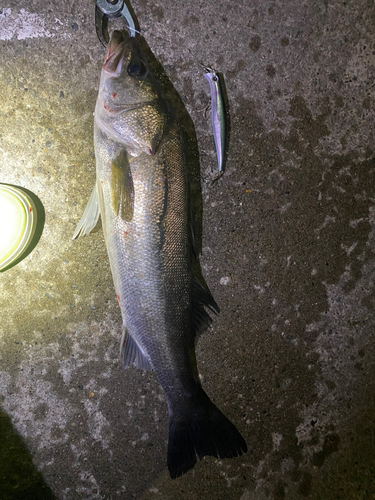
(202, 298)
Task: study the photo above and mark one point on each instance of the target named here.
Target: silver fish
(141, 193)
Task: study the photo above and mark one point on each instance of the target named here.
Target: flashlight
(18, 219)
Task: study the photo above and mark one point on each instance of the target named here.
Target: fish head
(126, 72)
(129, 107)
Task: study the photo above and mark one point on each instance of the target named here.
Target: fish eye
(138, 70)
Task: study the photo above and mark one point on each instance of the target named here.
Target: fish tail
(204, 430)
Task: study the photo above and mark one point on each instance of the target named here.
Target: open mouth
(113, 58)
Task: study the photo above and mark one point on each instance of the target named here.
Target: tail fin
(205, 431)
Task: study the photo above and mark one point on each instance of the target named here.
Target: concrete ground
(288, 243)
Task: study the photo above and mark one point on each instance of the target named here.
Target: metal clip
(108, 9)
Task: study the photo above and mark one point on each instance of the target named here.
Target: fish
(217, 115)
(142, 195)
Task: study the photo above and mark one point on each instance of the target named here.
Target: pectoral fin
(122, 188)
(90, 216)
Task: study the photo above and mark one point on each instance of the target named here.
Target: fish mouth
(115, 52)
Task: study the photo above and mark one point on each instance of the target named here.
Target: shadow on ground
(19, 479)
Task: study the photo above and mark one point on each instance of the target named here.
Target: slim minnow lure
(217, 115)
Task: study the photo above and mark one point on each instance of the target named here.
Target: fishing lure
(217, 115)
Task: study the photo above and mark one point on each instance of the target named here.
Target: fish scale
(141, 193)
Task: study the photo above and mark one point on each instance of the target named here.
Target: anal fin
(130, 353)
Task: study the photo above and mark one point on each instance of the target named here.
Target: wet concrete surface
(288, 242)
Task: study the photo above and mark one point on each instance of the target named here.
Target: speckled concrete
(288, 242)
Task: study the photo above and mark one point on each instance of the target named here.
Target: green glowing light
(17, 223)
